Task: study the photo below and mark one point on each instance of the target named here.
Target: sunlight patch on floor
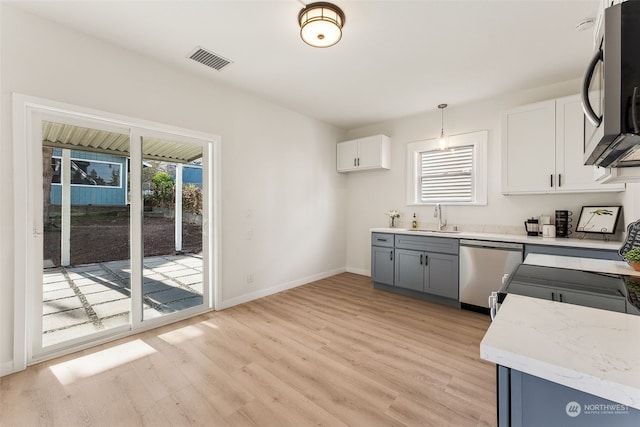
(101, 361)
(181, 335)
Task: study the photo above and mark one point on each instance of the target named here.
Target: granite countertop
(515, 238)
(587, 349)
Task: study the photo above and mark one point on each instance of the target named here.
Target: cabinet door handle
(354, 161)
(553, 296)
(560, 297)
(551, 184)
(358, 161)
(381, 240)
(559, 180)
(420, 259)
(390, 255)
(426, 260)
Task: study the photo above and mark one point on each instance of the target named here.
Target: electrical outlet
(250, 278)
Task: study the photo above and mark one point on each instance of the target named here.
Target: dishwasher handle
(492, 245)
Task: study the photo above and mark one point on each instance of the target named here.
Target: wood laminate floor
(335, 352)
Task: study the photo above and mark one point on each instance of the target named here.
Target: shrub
(163, 189)
(192, 199)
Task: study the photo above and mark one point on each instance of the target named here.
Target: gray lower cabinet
(382, 258)
(382, 265)
(528, 401)
(410, 270)
(424, 270)
(570, 296)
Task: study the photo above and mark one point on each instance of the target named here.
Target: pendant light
(321, 24)
(443, 142)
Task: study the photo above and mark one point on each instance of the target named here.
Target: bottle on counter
(414, 223)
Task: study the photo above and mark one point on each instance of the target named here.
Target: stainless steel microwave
(611, 91)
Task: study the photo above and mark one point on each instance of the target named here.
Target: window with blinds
(446, 175)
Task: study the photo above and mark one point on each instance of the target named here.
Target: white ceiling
(396, 58)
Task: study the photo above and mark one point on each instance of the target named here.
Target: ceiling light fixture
(321, 24)
(442, 141)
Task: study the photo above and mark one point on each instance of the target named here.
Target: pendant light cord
(442, 107)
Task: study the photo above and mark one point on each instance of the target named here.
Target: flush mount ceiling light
(442, 141)
(321, 24)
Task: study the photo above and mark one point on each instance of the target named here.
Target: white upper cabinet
(542, 150)
(528, 148)
(372, 152)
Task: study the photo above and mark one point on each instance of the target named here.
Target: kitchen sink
(433, 231)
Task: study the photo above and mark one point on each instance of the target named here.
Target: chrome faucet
(438, 214)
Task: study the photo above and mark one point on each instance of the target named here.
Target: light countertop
(591, 350)
(583, 264)
(515, 238)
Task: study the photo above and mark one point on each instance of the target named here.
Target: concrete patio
(84, 299)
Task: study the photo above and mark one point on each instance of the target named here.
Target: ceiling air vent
(209, 59)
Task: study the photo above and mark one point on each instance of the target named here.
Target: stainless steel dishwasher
(483, 264)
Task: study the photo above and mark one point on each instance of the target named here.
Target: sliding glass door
(125, 220)
(172, 190)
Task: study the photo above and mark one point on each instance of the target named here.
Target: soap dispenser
(414, 223)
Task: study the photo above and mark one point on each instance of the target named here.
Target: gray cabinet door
(382, 265)
(533, 291)
(592, 300)
(409, 269)
(442, 275)
(570, 296)
(537, 402)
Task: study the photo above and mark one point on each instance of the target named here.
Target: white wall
(276, 163)
(371, 194)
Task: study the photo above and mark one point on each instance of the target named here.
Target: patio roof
(59, 135)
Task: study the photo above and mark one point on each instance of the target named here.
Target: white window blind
(446, 175)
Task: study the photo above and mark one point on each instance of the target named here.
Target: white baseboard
(278, 288)
(359, 271)
(6, 368)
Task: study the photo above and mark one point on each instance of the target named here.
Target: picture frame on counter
(598, 219)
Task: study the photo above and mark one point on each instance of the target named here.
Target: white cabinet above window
(372, 152)
(542, 150)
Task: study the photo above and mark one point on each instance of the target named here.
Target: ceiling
(395, 59)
